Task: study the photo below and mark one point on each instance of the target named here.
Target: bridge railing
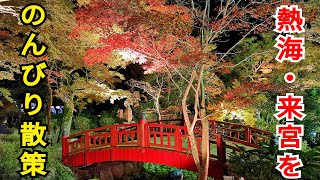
(241, 134)
(163, 136)
(143, 134)
(173, 137)
(103, 137)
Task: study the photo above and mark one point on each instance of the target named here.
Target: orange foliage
(244, 94)
(159, 32)
(174, 10)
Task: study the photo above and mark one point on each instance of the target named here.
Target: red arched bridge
(158, 142)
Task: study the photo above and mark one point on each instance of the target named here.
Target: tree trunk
(67, 116)
(193, 144)
(158, 107)
(203, 165)
(48, 110)
(205, 149)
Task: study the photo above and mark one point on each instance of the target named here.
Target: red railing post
(160, 128)
(87, 141)
(113, 136)
(65, 146)
(214, 127)
(247, 134)
(221, 149)
(177, 139)
(142, 131)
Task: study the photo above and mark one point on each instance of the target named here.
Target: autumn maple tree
(218, 49)
(69, 78)
(168, 37)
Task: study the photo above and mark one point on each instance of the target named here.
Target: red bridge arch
(157, 142)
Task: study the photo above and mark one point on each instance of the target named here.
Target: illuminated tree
(67, 72)
(169, 37)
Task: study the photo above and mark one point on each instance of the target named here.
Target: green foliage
(8, 163)
(256, 52)
(311, 161)
(110, 117)
(86, 120)
(106, 121)
(6, 95)
(81, 123)
(57, 169)
(312, 108)
(160, 172)
(259, 164)
(10, 150)
(56, 124)
(254, 164)
(265, 118)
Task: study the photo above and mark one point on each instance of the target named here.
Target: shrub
(160, 172)
(81, 123)
(106, 121)
(57, 169)
(10, 150)
(259, 164)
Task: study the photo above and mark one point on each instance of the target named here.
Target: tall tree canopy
(170, 36)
